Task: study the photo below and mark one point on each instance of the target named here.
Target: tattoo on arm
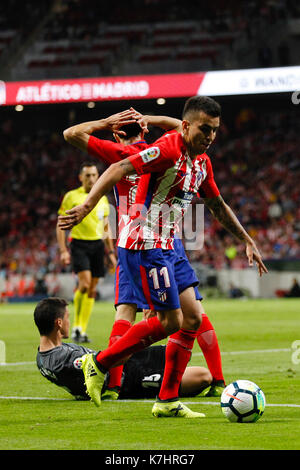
(127, 167)
(224, 214)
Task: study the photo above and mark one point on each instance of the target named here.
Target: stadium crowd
(256, 167)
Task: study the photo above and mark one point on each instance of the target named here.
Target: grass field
(255, 337)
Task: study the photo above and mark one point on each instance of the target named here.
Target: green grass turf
(61, 423)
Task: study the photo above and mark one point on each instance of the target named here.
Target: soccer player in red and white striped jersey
(165, 198)
(111, 152)
(180, 171)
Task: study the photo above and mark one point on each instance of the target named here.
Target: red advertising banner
(213, 83)
(99, 89)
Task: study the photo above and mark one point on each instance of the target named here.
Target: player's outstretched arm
(65, 256)
(79, 135)
(103, 186)
(164, 122)
(224, 214)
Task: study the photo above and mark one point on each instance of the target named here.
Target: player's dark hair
(132, 130)
(201, 103)
(47, 311)
(87, 164)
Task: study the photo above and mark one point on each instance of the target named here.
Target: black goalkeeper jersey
(142, 373)
(61, 365)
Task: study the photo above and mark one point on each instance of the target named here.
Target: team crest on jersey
(150, 154)
(162, 295)
(77, 363)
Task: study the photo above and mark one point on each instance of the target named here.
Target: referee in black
(87, 248)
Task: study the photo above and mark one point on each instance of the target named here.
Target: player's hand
(113, 262)
(140, 119)
(74, 217)
(115, 121)
(65, 258)
(254, 255)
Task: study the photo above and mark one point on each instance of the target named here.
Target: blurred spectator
(53, 286)
(40, 285)
(295, 290)
(235, 292)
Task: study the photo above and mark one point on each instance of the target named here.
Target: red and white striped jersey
(111, 152)
(169, 181)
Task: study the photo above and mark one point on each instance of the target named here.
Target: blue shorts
(184, 273)
(153, 279)
(124, 293)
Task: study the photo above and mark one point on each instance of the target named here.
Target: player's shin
(178, 353)
(87, 306)
(138, 337)
(208, 342)
(120, 327)
(77, 300)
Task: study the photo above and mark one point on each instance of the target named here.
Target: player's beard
(197, 148)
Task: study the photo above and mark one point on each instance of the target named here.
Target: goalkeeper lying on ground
(61, 362)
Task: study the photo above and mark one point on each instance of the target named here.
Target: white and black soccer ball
(243, 401)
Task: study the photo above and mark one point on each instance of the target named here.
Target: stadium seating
(137, 37)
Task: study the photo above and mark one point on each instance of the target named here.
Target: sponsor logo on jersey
(183, 198)
(47, 373)
(151, 381)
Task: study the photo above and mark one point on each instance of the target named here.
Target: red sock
(178, 353)
(138, 337)
(208, 342)
(120, 327)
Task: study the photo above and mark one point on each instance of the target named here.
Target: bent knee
(192, 321)
(207, 377)
(171, 320)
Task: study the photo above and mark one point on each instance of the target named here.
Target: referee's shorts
(88, 255)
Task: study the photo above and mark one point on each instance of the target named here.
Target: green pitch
(256, 338)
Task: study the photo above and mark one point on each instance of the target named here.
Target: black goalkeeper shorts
(143, 373)
(88, 255)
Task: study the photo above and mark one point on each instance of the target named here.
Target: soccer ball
(243, 401)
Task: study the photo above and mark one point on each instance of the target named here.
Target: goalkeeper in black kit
(60, 362)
